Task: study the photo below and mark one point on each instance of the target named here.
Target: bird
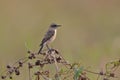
(49, 36)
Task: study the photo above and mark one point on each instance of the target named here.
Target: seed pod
(17, 72)
(101, 73)
(37, 73)
(28, 52)
(112, 75)
(29, 57)
(30, 65)
(10, 77)
(20, 64)
(8, 66)
(58, 59)
(3, 77)
(37, 62)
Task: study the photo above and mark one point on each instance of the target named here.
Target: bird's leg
(40, 49)
(48, 47)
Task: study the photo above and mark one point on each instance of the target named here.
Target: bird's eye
(54, 25)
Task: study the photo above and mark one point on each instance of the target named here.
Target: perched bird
(49, 36)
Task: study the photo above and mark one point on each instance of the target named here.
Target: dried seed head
(10, 77)
(37, 62)
(10, 71)
(3, 77)
(17, 72)
(30, 65)
(83, 77)
(58, 59)
(56, 51)
(29, 57)
(20, 64)
(28, 52)
(41, 65)
(46, 72)
(33, 55)
(101, 73)
(112, 75)
(8, 66)
(37, 73)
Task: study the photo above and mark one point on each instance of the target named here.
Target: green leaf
(77, 72)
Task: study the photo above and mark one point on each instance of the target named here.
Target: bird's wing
(48, 35)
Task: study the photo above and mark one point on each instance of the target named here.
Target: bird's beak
(59, 25)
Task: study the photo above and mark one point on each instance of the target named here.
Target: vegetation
(63, 69)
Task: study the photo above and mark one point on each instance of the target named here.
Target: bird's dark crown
(54, 25)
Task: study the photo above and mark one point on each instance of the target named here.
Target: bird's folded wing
(47, 36)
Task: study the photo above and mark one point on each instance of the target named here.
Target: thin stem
(29, 74)
(57, 68)
(48, 47)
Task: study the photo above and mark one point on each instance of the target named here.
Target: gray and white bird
(49, 36)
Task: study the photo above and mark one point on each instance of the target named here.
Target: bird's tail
(39, 52)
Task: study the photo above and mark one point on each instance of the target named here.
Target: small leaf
(77, 72)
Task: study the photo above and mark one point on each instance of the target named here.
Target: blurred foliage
(90, 31)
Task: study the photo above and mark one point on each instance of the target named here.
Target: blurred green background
(90, 31)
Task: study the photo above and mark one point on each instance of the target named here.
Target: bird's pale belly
(51, 39)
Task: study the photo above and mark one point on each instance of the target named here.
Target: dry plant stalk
(68, 71)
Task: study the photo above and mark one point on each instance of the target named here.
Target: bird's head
(53, 25)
